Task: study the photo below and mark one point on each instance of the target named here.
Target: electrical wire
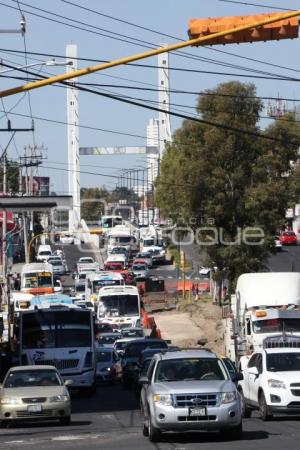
(176, 37)
(115, 176)
(172, 104)
(155, 89)
(150, 45)
(259, 5)
(171, 113)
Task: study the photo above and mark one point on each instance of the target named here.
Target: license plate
(198, 411)
(34, 408)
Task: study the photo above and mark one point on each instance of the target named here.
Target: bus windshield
(53, 329)
(276, 325)
(35, 280)
(97, 284)
(118, 305)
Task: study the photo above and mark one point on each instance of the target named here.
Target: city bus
(119, 305)
(37, 279)
(63, 337)
(96, 280)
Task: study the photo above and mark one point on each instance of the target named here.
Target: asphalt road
(111, 420)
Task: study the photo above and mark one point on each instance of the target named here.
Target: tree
(93, 203)
(12, 177)
(234, 180)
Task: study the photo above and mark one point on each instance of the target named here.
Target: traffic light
(283, 29)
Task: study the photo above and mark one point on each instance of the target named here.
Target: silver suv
(189, 390)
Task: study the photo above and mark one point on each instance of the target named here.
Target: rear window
(103, 356)
(136, 348)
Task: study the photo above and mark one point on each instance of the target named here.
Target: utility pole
(33, 158)
(4, 218)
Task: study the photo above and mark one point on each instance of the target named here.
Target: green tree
(12, 177)
(233, 179)
(93, 201)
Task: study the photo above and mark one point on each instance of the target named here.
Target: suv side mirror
(144, 380)
(68, 382)
(254, 371)
(238, 376)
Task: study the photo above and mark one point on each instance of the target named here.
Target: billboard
(40, 185)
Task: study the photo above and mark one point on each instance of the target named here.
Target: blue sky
(167, 16)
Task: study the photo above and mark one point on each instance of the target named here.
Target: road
(110, 419)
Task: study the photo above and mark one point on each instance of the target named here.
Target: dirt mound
(189, 323)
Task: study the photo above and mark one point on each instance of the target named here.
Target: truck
(265, 306)
(123, 236)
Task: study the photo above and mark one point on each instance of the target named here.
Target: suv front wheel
(154, 433)
(263, 408)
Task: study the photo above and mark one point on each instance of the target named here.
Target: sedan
(58, 266)
(32, 393)
(108, 339)
(108, 365)
(132, 332)
(288, 238)
(140, 271)
(66, 239)
(147, 257)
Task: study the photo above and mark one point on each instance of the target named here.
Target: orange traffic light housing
(283, 29)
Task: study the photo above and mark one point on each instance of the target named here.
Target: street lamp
(51, 62)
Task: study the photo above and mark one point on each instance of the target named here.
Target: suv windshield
(283, 362)
(184, 369)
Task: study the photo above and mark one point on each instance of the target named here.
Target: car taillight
(88, 359)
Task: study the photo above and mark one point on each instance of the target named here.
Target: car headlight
(10, 401)
(228, 397)
(59, 398)
(276, 384)
(163, 399)
(105, 369)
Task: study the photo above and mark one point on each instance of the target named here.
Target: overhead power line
(147, 44)
(151, 30)
(258, 5)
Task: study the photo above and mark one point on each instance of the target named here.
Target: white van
(44, 252)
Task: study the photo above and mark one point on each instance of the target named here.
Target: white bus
(96, 280)
(37, 279)
(62, 337)
(119, 305)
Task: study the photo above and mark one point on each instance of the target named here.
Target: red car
(288, 238)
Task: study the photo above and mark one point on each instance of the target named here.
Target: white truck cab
(264, 305)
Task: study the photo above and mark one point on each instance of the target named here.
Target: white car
(44, 253)
(277, 243)
(271, 382)
(86, 260)
(66, 239)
